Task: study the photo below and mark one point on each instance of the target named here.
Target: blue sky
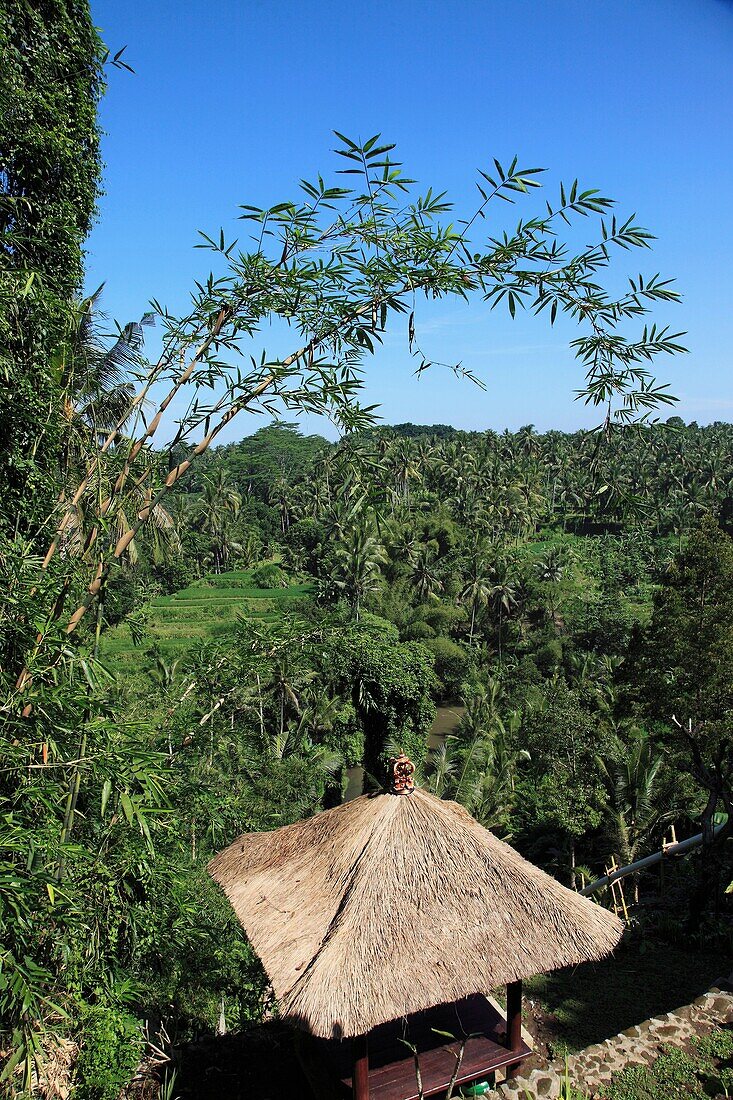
(233, 102)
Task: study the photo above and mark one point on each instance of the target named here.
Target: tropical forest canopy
(200, 640)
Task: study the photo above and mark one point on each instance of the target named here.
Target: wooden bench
(437, 1035)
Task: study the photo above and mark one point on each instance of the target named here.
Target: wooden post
(514, 1015)
(360, 1073)
(513, 1020)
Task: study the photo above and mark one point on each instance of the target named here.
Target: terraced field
(205, 610)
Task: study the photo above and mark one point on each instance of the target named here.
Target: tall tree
(687, 675)
(218, 505)
(632, 808)
(51, 61)
(476, 591)
(358, 561)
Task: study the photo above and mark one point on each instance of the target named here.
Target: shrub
(110, 1051)
(173, 574)
(269, 575)
(549, 656)
(672, 1077)
(417, 632)
(451, 665)
(718, 1044)
(122, 597)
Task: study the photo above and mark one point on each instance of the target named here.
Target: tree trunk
(708, 882)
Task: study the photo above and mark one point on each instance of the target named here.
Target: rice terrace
(366, 550)
(206, 609)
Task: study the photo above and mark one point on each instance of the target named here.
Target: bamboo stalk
(678, 849)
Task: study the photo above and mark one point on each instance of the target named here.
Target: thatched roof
(391, 904)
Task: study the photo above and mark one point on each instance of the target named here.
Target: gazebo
(383, 923)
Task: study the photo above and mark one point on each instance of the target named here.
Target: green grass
(644, 978)
(703, 1071)
(204, 611)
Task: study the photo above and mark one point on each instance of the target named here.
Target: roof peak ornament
(403, 771)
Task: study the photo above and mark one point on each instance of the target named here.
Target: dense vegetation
(196, 641)
(52, 77)
(309, 606)
(543, 578)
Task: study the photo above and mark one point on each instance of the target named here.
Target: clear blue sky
(232, 102)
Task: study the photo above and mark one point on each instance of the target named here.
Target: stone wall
(590, 1069)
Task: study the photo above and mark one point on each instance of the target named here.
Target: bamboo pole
(678, 849)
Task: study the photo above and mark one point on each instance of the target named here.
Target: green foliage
(715, 1051)
(49, 168)
(264, 459)
(687, 666)
(563, 790)
(608, 623)
(173, 574)
(249, 699)
(390, 683)
(452, 665)
(110, 1049)
(480, 759)
(191, 953)
(685, 670)
(172, 625)
(674, 1076)
(122, 596)
(75, 828)
(357, 567)
(269, 575)
(717, 1044)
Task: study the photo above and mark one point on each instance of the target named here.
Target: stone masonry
(590, 1069)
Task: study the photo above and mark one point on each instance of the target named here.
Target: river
(445, 721)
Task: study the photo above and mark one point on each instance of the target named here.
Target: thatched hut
(390, 916)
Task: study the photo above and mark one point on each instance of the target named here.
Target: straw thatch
(389, 905)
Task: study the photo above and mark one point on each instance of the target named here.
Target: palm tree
(401, 541)
(550, 570)
(181, 514)
(526, 439)
(503, 595)
(494, 790)
(477, 766)
(425, 580)
(476, 591)
(358, 561)
(281, 497)
(320, 709)
(630, 805)
(95, 380)
(97, 394)
(405, 468)
(284, 684)
(218, 505)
